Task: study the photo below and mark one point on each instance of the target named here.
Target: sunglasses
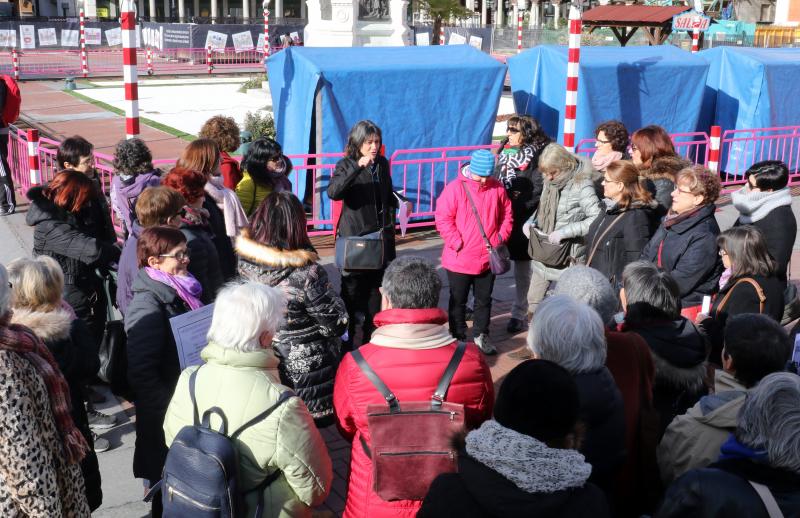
(512, 130)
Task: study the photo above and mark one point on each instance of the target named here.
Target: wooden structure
(624, 20)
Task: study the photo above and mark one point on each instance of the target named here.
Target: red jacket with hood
(418, 348)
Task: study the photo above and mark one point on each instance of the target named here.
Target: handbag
(542, 250)
(599, 240)
(412, 442)
(113, 351)
(499, 256)
(360, 252)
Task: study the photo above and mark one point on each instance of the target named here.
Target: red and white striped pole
(573, 65)
(84, 58)
(714, 149)
(15, 62)
(149, 61)
(130, 75)
(695, 34)
(33, 157)
(519, 29)
(266, 32)
(209, 62)
(441, 34)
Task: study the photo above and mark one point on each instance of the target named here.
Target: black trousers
(7, 197)
(360, 293)
(460, 284)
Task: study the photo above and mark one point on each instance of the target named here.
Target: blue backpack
(200, 477)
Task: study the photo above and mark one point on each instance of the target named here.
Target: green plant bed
(253, 82)
(260, 124)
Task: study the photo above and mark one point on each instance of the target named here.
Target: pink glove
(554, 238)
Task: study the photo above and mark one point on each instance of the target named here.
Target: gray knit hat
(591, 287)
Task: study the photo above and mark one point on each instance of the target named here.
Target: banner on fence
(27, 36)
(114, 37)
(69, 38)
(94, 36)
(47, 37)
(242, 41)
(8, 38)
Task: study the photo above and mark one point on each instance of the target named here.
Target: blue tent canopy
(419, 96)
(752, 88)
(637, 85)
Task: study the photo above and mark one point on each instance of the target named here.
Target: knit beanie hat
(481, 163)
(591, 287)
(538, 398)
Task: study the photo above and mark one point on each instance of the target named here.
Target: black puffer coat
(204, 261)
(308, 344)
(153, 368)
(74, 350)
(603, 414)
(71, 239)
(689, 253)
(478, 491)
(363, 199)
(524, 190)
(216, 223)
(722, 490)
(679, 353)
(624, 240)
(779, 228)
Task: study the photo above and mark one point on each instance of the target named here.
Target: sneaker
(100, 420)
(515, 325)
(101, 444)
(484, 344)
(522, 354)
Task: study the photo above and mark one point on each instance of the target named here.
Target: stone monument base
(341, 27)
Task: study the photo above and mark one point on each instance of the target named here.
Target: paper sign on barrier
(114, 36)
(423, 38)
(8, 38)
(242, 41)
(216, 40)
(27, 36)
(476, 41)
(457, 39)
(69, 38)
(94, 36)
(260, 43)
(47, 37)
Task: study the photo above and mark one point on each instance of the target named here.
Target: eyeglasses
(180, 256)
(682, 191)
(609, 180)
(599, 141)
(512, 130)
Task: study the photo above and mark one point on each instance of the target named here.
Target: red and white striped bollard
(715, 142)
(266, 32)
(573, 66)
(519, 30)
(15, 62)
(441, 35)
(129, 72)
(33, 157)
(84, 58)
(149, 61)
(209, 62)
(695, 34)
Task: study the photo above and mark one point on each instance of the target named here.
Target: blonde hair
(555, 157)
(701, 182)
(37, 284)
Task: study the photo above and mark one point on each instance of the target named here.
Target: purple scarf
(188, 288)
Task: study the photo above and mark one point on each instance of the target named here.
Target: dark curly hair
(132, 157)
(616, 133)
(222, 130)
(531, 131)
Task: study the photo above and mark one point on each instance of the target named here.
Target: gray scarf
(530, 464)
(755, 205)
(548, 204)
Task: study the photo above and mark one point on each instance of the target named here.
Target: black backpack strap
(391, 399)
(264, 484)
(285, 396)
(192, 380)
(441, 389)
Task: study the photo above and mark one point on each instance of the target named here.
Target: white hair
(569, 333)
(5, 292)
(243, 312)
(770, 419)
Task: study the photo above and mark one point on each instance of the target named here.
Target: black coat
(779, 228)
(354, 186)
(308, 343)
(524, 191)
(204, 260)
(603, 414)
(743, 299)
(478, 491)
(624, 241)
(216, 223)
(679, 352)
(153, 368)
(690, 254)
(722, 491)
(71, 239)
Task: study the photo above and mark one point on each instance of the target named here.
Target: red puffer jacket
(412, 375)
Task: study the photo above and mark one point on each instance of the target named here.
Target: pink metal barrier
(422, 173)
(41, 63)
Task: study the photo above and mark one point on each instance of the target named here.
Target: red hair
(70, 190)
(190, 183)
(652, 142)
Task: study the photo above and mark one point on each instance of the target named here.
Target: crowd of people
(657, 377)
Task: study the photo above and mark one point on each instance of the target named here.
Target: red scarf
(21, 340)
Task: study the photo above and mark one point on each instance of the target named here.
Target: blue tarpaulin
(637, 85)
(420, 97)
(752, 88)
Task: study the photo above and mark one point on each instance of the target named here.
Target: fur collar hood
(50, 326)
(665, 167)
(257, 253)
